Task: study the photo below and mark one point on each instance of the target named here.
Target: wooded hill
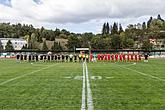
(135, 36)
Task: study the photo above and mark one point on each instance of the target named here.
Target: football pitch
(82, 86)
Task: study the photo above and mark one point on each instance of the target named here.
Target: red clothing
(112, 57)
(124, 57)
(91, 57)
(136, 57)
(102, 56)
(140, 57)
(128, 57)
(132, 56)
(105, 57)
(108, 57)
(121, 57)
(116, 57)
(99, 57)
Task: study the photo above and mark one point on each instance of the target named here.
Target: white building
(17, 43)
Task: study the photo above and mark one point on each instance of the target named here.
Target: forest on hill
(113, 36)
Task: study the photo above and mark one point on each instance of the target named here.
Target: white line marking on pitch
(18, 77)
(144, 74)
(83, 105)
(86, 85)
(89, 92)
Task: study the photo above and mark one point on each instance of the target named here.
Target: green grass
(50, 89)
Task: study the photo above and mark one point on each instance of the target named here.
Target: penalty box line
(144, 74)
(21, 76)
(86, 88)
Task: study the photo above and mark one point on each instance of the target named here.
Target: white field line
(18, 77)
(89, 93)
(83, 105)
(144, 74)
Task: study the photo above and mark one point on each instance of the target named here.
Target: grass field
(58, 86)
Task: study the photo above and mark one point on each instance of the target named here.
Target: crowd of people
(81, 57)
(53, 57)
(119, 57)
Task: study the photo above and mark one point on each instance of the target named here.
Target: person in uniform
(55, 57)
(75, 58)
(44, 58)
(41, 57)
(66, 57)
(18, 57)
(146, 57)
(80, 57)
(71, 57)
(21, 57)
(113, 57)
(52, 57)
(124, 59)
(121, 57)
(116, 57)
(59, 57)
(36, 57)
(87, 57)
(29, 58)
(33, 57)
(25, 57)
(62, 57)
(48, 57)
(83, 56)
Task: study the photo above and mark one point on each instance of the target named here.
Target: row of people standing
(118, 57)
(53, 57)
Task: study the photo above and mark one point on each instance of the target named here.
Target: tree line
(134, 36)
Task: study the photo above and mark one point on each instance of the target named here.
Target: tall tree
(149, 22)
(120, 28)
(114, 28)
(9, 46)
(116, 42)
(144, 26)
(104, 29)
(159, 18)
(107, 28)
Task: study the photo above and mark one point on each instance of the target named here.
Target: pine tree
(107, 28)
(114, 28)
(159, 17)
(149, 22)
(120, 28)
(104, 29)
(144, 26)
(9, 46)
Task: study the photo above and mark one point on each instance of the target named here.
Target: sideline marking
(83, 105)
(144, 74)
(89, 92)
(18, 77)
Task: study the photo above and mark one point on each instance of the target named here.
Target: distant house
(17, 43)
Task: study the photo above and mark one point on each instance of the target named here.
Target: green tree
(45, 48)
(114, 28)
(9, 46)
(116, 42)
(1, 46)
(147, 45)
(144, 27)
(120, 28)
(56, 46)
(73, 42)
(104, 29)
(149, 22)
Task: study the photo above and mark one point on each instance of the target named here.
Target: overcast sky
(79, 15)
